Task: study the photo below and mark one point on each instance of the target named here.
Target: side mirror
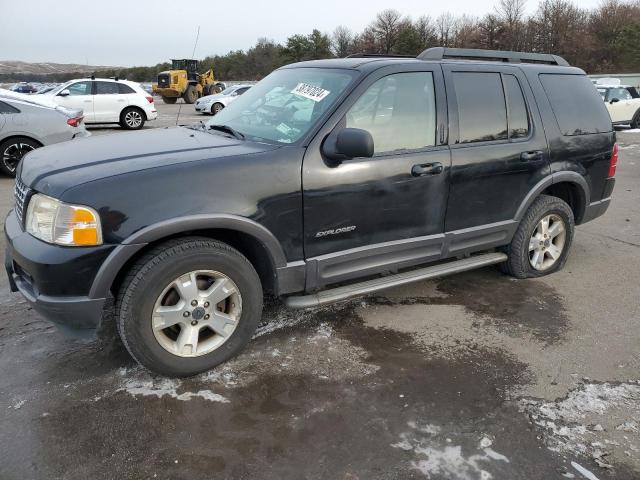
(614, 100)
(349, 143)
(64, 93)
(234, 94)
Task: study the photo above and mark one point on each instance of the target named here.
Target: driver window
(399, 111)
(619, 93)
(80, 88)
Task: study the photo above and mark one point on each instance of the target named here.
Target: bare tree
(426, 31)
(386, 27)
(511, 14)
(446, 29)
(342, 41)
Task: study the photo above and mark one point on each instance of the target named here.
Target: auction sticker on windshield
(310, 91)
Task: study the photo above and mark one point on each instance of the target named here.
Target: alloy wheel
(547, 242)
(14, 153)
(196, 313)
(133, 118)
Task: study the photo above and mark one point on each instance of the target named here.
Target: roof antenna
(195, 44)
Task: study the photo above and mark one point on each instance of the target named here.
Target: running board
(348, 291)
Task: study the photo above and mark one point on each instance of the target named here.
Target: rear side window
(6, 108)
(576, 104)
(125, 89)
(482, 112)
(517, 109)
(106, 88)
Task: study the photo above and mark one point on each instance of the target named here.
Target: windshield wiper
(227, 129)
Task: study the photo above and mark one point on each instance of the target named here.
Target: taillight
(74, 122)
(613, 163)
(149, 99)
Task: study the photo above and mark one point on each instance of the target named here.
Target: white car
(622, 102)
(106, 100)
(212, 104)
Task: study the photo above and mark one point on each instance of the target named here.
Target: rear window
(6, 108)
(576, 104)
(481, 108)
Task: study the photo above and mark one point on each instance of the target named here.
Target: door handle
(427, 169)
(531, 156)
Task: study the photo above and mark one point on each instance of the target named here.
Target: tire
(12, 151)
(216, 107)
(552, 250)
(635, 122)
(132, 118)
(190, 94)
(218, 87)
(170, 100)
(143, 294)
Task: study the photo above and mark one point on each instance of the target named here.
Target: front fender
(114, 263)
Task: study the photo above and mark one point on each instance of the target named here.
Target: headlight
(55, 222)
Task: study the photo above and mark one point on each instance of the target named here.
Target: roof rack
(377, 55)
(440, 53)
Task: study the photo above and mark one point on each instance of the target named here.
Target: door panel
(499, 149)
(366, 215)
(80, 97)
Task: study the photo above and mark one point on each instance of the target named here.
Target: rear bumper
(53, 279)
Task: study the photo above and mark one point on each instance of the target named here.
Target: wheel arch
(250, 238)
(140, 109)
(568, 186)
(18, 135)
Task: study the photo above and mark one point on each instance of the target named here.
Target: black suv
(373, 170)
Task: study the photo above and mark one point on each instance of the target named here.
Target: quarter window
(517, 109)
(482, 112)
(124, 89)
(575, 102)
(399, 111)
(6, 108)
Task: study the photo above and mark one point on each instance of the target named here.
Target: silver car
(212, 104)
(27, 123)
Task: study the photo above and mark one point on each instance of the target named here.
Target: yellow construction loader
(183, 80)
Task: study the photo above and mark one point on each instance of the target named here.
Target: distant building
(631, 79)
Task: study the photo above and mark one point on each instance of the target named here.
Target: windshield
(285, 105)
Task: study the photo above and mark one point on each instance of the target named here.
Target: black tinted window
(518, 116)
(106, 88)
(240, 91)
(481, 109)
(6, 108)
(578, 107)
(124, 89)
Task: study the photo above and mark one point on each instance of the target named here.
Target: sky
(144, 32)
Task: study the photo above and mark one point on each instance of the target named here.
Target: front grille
(21, 193)
(163, 80)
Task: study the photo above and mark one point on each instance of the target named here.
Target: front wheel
(542, 241)
(216, 107)
(132, 118)
(635, 123)
(188, 305)
(190, 95)
(12, 151)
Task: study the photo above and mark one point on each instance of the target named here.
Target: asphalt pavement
(474, 376)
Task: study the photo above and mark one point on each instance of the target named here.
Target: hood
(52, 170)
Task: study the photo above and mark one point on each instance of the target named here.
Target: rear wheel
(12, 151)
(542, 241)
(188, 305)
(216, 107)
(132, 118)
(190, 94)
(170, 100)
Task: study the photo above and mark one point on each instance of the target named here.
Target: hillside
(11, 67)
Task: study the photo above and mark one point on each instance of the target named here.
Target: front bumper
(55, 280)
(204, 107)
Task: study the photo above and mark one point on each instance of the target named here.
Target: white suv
(623, 104)
(105, 100)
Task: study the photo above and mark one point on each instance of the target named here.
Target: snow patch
(449, 462)
(168, 387)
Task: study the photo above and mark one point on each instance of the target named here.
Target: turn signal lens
(55, 222)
